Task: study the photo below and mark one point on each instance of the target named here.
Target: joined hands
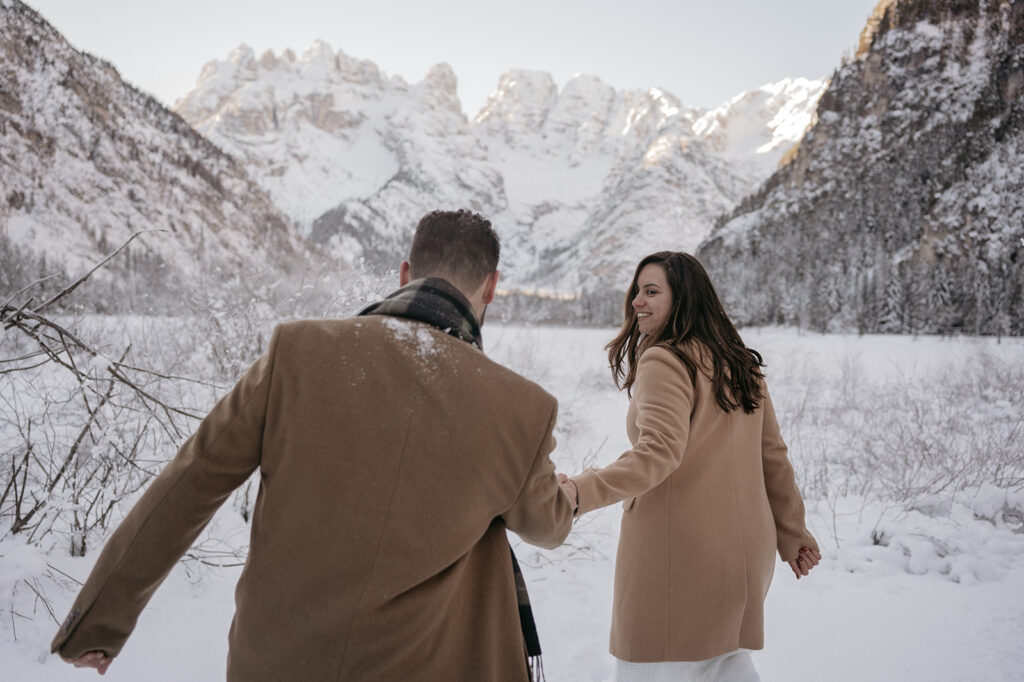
(569, 488)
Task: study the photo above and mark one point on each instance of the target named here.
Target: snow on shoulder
(411, 332)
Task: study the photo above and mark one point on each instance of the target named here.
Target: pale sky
(702, 52)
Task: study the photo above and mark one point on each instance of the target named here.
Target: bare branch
(39, 338)
(67, 290)
(19, 292)
(171, 377)
(36, 354)
(135, 387)
(15, 470)
(24, 369)
(45, 322)
(54, 568)
(63, 335)
(19, 312)
(43, 599)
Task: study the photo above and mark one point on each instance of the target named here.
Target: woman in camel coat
(708, 492)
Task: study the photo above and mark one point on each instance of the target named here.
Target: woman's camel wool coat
(709, 497)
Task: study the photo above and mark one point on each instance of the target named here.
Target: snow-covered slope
(572, 177)
(756, 128)
(671, 171)
(569, 158)
(86, 160)
(903, 209)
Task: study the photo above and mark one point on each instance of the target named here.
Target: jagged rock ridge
(350, 153)
(580, 181)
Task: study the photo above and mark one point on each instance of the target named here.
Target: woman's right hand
(807, 559)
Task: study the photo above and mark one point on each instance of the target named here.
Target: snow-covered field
(910, 452)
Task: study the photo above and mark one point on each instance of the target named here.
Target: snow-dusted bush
(908, 437)
(82, 430)
(899, 465)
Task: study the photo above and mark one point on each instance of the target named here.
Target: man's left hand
(93, 659)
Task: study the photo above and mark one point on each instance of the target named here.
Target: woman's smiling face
(653, 300)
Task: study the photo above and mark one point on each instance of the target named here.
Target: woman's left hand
(807, 560)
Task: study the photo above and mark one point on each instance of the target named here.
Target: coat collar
(436, 302)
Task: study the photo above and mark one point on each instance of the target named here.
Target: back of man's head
(459, 246)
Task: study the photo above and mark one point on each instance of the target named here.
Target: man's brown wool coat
(709, 496)
(392, 458)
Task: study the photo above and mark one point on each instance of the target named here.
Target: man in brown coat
(392, 455)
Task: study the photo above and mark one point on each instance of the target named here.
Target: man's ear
(404, 273)
(490, 284)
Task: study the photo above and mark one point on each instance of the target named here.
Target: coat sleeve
(664, 401)
(783, 496)
(542, 513)
(178, 504)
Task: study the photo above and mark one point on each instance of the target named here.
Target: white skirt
(735, 666)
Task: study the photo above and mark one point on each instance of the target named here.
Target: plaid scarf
(436, 302)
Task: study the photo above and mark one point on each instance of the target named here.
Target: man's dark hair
(459, 246)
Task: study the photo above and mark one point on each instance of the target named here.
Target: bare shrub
(905, 442)
(80, 431)
(75, 423)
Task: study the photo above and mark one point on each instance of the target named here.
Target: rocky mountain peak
(519, 106)
(439, 89)
(668, 104)
(320, 51)
(442, 77)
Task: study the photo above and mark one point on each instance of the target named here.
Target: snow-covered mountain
(580, 181)
(903, 208)
(354, 156)
(566, 158)
(86, 160)
(757, 127)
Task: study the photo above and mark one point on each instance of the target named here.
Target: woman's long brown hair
(696, 315)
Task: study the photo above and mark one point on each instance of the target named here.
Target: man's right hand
(93, 659)
(569, 488)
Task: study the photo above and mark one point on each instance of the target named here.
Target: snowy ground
(923, 577)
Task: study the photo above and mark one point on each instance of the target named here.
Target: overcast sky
(702, 52)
